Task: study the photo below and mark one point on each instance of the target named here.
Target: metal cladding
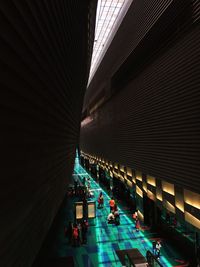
(149, 117)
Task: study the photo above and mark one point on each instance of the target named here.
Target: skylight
(108, 18)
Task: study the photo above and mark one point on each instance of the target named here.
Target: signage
(91, 209)
(78, 210)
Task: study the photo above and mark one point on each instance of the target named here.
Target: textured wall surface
(45, 50)
(150, 119)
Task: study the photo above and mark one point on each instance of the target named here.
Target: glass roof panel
(109, 12)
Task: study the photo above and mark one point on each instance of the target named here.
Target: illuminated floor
(103, 239)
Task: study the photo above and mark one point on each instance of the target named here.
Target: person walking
(137, 224)
(158, 247)
(100, 200)
(135, 215)
(112, 204)
(84, 227)
(75, 234)
(154, 247)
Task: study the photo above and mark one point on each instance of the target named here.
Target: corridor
(104, 239)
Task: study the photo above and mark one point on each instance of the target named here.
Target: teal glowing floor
(103, 238)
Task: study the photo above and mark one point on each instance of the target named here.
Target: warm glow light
(151, 180)
(139, 191)
(167, 187)
(121, 168)
(179, 203)
(192, 198)
(192, 220)
(144, 186)
(101, 242)
(129, 183)
(140, 215)
(159, 193)
(159, 198)
(169, 206)
(129, 171)
(180, 206)
(115, 173)
(151, 195)
(138, 175)
(121, 178)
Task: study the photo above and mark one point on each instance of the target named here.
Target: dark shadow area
(47, 255)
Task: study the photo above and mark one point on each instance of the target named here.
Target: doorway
(149, 209)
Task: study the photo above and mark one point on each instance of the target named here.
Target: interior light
(107, 16)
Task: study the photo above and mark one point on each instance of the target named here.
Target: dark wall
(150, 120)
(45, 51)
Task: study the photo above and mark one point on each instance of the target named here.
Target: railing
(152, 260)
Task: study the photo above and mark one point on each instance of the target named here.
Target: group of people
(80, 188)
(76, 190)
(77, 233)
(87, 186)
(113, 216)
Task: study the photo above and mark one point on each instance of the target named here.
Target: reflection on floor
(104, 239)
